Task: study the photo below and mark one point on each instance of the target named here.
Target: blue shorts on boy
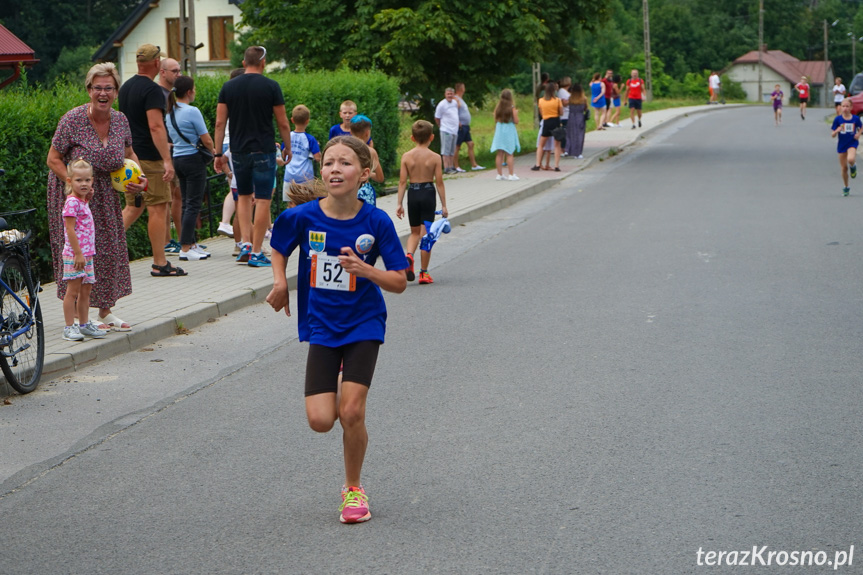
(301, 168)
(846, 133)
(332, 317)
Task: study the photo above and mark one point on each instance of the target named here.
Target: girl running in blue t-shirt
(340, 306)
(847, 127)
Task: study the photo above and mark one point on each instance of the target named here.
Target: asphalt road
(658, 357)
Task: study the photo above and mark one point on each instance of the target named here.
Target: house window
(221, 32)
(173, 50)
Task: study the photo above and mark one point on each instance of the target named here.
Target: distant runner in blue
(847, 127)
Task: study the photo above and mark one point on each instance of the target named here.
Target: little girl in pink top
(78, 252)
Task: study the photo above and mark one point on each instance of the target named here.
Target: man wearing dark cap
(143, 103)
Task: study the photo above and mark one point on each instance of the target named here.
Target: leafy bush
(30, 115)
(322, 93)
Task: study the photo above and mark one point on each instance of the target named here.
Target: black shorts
(322, 365)
(463, 135)
(548, 125)
(635, 103)
(804, 100)
(421, 203)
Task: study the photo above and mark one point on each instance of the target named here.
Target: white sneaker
(191, 256)
(197, 248)
(499, 178)
(477, 168)
(514, 178)
(89, 329)
(460, 171)
(225, 230)
(72, 333)
(580, 157)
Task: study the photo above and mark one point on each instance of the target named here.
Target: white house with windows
(158, 22)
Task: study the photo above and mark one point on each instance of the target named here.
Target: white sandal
(115, 323)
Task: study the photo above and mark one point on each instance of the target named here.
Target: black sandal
(167, 270)
(535, 168)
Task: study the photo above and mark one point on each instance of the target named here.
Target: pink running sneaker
(355, 505)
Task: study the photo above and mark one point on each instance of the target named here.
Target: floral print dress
(77, 138)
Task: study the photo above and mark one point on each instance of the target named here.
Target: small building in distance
(783, 69)
(14, 53)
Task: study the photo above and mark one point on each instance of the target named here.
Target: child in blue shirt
(361, 127)
(344, 317)
(305, 151)
(847, 127)
(347, 110)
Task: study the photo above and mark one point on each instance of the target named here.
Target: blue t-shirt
(846, 134)
(301, 168)
(329, 317)
(337, 131)
(191, 124)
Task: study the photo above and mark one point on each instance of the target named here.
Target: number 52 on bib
(327, 273)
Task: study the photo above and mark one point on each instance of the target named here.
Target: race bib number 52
(327, 273)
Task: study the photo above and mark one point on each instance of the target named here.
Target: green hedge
(375, 94)
(30, 115)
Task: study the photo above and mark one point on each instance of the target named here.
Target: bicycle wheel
(22, 358)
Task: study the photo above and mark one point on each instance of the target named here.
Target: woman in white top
(838, 94)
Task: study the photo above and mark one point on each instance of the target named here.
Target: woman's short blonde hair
(104, 69)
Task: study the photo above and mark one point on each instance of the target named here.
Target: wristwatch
(218, 155)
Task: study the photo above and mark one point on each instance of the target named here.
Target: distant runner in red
(634, 86)
(803, 90)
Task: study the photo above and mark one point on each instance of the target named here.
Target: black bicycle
(22, 334)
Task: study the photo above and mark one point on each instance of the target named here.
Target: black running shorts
(421, 203)
(322, 365)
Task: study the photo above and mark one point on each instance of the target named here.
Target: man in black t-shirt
(251, 101)
(143, 103)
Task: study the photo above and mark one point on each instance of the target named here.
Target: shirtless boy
(423, 168)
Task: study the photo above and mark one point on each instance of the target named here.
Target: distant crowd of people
(565, 107)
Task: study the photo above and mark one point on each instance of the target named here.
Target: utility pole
(760, 46)
(648, 74)
(187, 37)
(536, 80)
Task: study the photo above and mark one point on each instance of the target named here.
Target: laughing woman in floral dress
(100, 135)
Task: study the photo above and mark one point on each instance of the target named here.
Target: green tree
(424, 44)
(51, 27)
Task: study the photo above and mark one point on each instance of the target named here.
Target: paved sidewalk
(159, 307)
